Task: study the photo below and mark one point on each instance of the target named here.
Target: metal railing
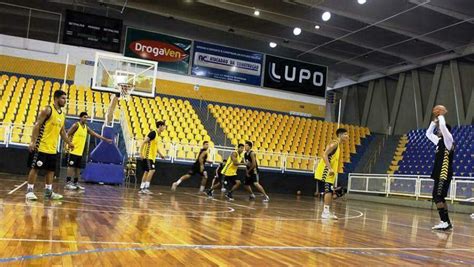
(20, 134)
(417, 186)
(178, 152)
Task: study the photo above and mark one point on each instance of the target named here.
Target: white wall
(52, 52)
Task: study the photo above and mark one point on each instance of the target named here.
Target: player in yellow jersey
(326, 171)
(148, 153)
(43, 147)
(78, 134)
(230, 171)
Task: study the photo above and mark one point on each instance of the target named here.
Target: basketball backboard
(110, 70)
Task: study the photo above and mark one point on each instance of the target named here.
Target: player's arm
(161, 154)
(254, 162)
(72, 130)
(329, 149)
(430, 135)
(42, 117)
(66, 138)
(447, 136)
(96, 135)
(217, 170)
(110, 111)
(233, 157)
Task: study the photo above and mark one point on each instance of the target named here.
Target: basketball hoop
(125, 90)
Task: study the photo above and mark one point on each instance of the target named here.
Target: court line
(18, 187)
(354, 250)
(227, 202)
(149, 209)
(119, 212)
(189, 216)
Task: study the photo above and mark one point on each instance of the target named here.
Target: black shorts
(253, 178)
(148, 165)
(74, 161)
(42, 161)
(232, 179)
(324, 187)
(440, 189)
(196, 169)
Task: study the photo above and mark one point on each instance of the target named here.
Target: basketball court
(110, 225)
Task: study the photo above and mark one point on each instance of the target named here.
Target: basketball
(439, 110)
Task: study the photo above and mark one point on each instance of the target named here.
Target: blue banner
(226, 63)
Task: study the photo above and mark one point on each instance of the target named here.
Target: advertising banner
(226, 63)
(171, 53)
(296, 76)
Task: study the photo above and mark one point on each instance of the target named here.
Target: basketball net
(125, 90)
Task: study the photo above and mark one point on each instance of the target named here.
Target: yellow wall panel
(35, 67)
(56, 71)
(237, 98)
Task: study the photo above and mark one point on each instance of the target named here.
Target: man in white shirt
(443, 165)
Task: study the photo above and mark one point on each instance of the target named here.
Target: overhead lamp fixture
(256, 12)
(272, 44)
(297, 31)
(326, 16)
(317, 27)
(361, 2)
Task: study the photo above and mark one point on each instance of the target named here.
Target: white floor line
(240, 247)
(229, 209)
(217, 200)
(360, 214)
(18, 187)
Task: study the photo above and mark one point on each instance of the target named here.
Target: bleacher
(273, 132)
(415, 154)
(182, 123)
(22, 98)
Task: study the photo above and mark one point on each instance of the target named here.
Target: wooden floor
(113, 226)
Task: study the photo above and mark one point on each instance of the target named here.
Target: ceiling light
(273, 44)
(297, 31)
(326, 16)
(256, 13)
(317, 27)
(361, 2)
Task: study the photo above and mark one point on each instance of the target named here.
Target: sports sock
(443, 215)
(48, 186)
(68, 179)
(76, 179)
(142, 185)
(201, 188)
(147, 184)
(326, 208)
(178, 182)
(31, 187)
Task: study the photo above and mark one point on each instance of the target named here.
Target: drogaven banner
(172, 53)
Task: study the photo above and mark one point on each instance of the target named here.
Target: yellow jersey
(322, 172)
(79, 140)
(50, 131)
(149, 150)
(229, 168)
